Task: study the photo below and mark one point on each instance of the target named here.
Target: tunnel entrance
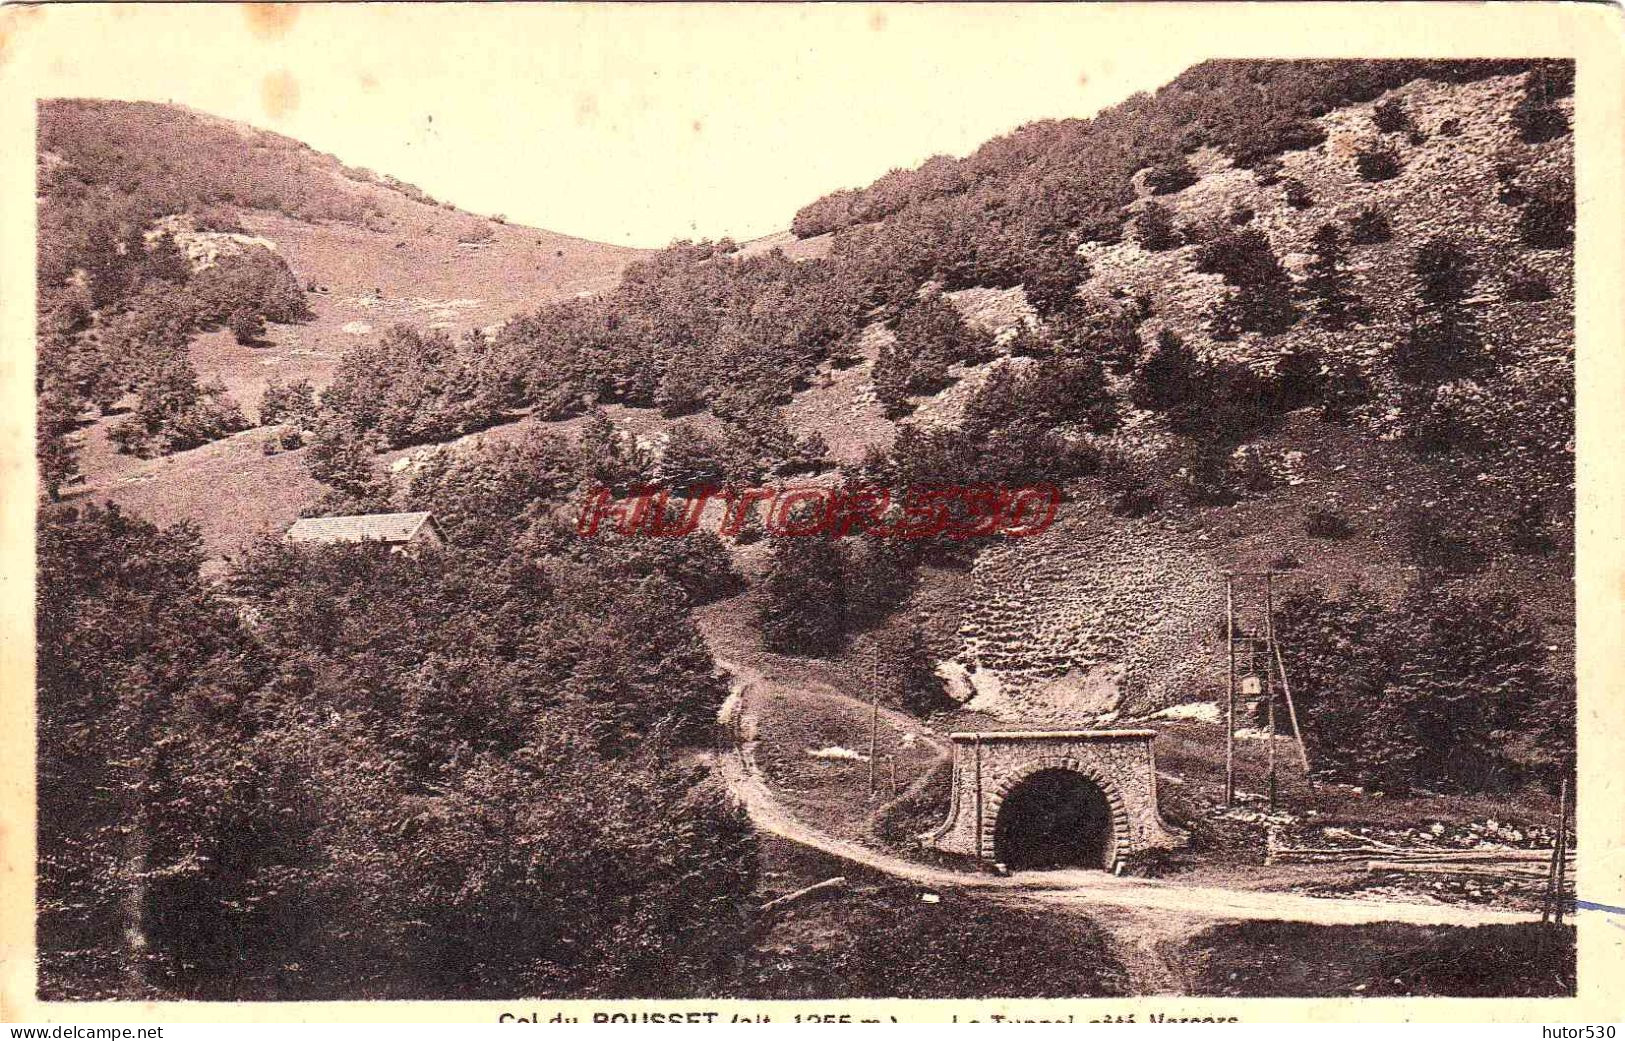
(1055, 818)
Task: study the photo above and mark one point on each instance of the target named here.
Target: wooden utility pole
(1230, 694)
(1269, 679)
(1551, 909)
(874, 717)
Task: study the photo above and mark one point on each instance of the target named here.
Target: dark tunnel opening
(1055, 818)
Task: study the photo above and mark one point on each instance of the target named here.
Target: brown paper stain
(586, 109)
(1083, 79)
(279, 93)
(697, 126)
(12, 20)
(369, 82)
(269, 21)
(877, 21)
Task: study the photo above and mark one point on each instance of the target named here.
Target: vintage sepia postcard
(812, 512)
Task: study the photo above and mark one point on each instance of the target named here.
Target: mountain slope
(1106, 612)
(369, 250)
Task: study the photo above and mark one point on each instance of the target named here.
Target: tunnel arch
(1057, 812)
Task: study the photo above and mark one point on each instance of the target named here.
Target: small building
(401, 532)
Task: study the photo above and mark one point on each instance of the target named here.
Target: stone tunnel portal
(1041, 799)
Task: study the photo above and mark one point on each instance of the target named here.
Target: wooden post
(1551, 907)
(1292, 714)
(1269, 679)
(1230, 693)
(874, 727)
(1562, 849)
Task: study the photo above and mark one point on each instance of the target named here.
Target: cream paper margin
(40, 46)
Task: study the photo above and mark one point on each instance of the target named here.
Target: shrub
(1547, 220)
(1324, 523)
(246, 326)
(293, 403)
(1370, 227)
(1167, 178)
(1390, 116)
(1526, 286)
(1537, 115)
(256, 279)
(1297, 194)
(1377, 163)
(1262, 302)
(1154, 229)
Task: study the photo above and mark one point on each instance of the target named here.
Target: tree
(254, 278)
(143, 671)
(166, 262)
(1327, 283)
(1170, 376)
(56, 420)
(246, 326)
(1263, 299)
(1167, 178)
(1547, 218)
(912, 671)
(342, 458)
(292, 403)
(891, 376)
(174, 411)
(1430, 693)
(1300, 378)
(1369, 227)
(1537, 115)
(1444, 338)
(933, 333)
(801, 601)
